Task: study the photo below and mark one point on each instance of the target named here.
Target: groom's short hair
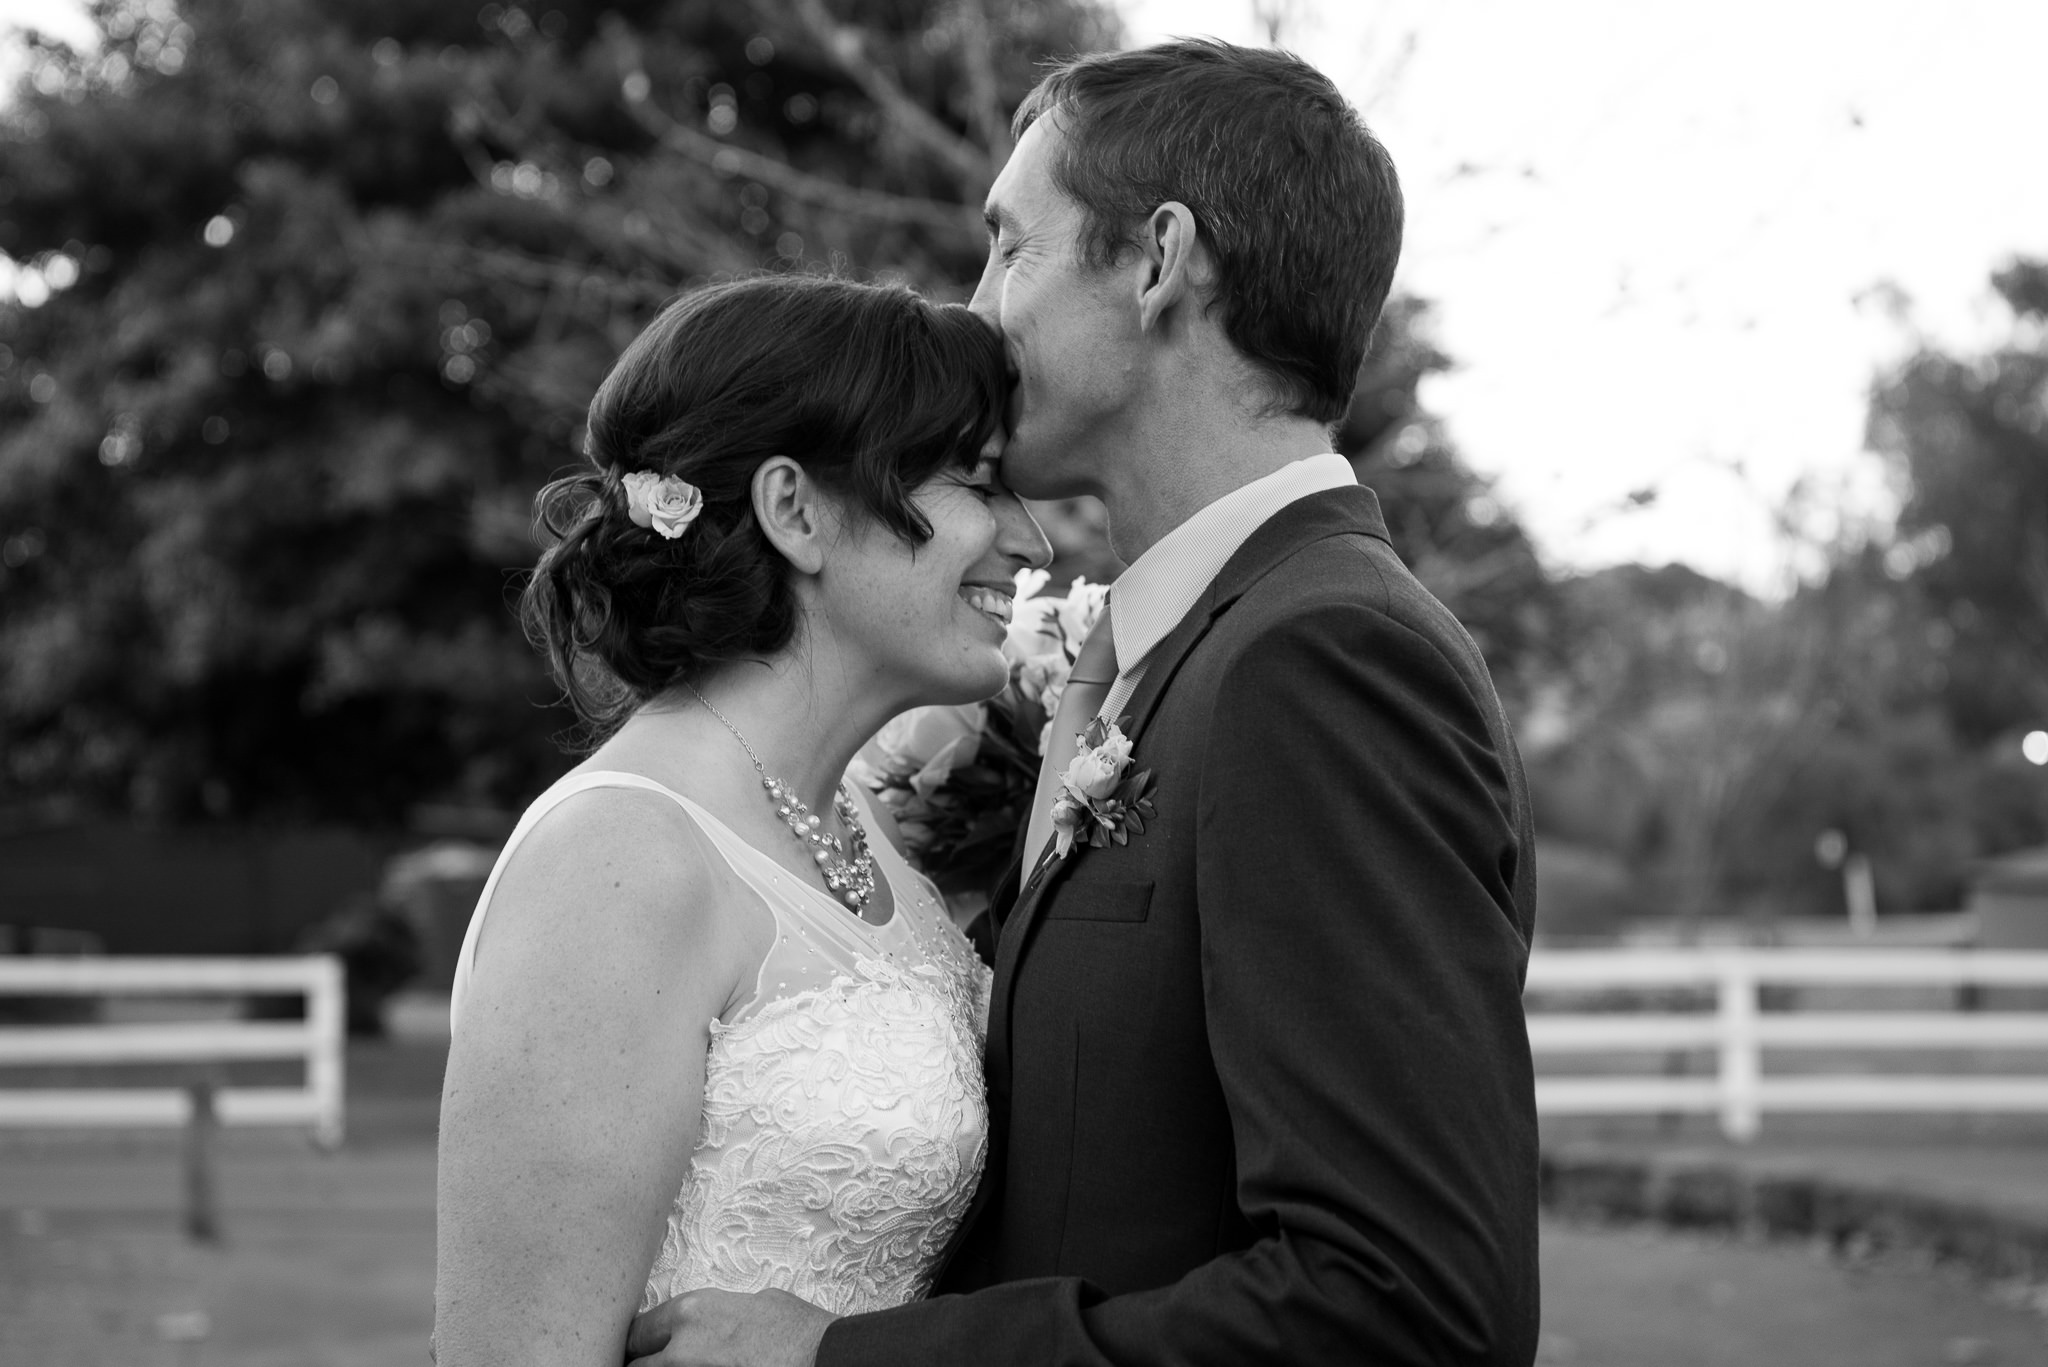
(1295, 198)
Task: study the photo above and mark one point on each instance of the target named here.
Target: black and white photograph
(1023, 683)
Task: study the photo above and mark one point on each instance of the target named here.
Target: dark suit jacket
(1259, 1082)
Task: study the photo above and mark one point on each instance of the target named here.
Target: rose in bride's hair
(872, 389)
(663, 502)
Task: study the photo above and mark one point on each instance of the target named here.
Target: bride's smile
(995, 602)
(927, 622)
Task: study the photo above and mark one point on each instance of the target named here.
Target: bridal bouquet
(959, 780)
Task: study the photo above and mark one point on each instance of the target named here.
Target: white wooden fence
(1618, 1020)
(317, 1041)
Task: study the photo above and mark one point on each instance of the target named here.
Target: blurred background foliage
(330, 283)
(1689, 743)
(311, 295)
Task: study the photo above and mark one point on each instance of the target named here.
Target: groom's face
(1069, 328)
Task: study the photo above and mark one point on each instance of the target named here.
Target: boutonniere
(1101, 802)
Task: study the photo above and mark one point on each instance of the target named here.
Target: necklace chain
(851, 877)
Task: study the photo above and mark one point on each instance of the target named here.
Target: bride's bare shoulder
(621, 874)
(614, 835)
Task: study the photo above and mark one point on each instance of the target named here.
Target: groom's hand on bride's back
(728, 1329)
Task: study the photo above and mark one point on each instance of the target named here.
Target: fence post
(1741, 1061)
(327, 1016)
(202, 1191)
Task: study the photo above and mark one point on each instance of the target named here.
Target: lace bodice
(844, 1124)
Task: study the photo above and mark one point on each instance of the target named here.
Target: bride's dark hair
(872, 389)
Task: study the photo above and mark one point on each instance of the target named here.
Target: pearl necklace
(851, 878)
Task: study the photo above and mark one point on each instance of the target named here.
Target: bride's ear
(793, 513)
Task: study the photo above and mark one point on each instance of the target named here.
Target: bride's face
(927, 622)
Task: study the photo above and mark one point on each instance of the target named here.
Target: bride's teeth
(996, 605)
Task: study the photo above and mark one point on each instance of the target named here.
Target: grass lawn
(326, 1260)
(344, 1289)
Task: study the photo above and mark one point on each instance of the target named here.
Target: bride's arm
(575, 1081)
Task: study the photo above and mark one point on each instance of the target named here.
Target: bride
(709, 1029)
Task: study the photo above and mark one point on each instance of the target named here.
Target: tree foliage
(1703, 739)
(1708, 738)
(315, 292)
(1461, 541)
(1968, 438)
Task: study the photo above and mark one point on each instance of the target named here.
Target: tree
(1463, 543)
(1708, 739)
(312, 295)
(1968, 440)
(1705, 738)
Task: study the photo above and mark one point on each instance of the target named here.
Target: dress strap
(790, 901)
(564, 789)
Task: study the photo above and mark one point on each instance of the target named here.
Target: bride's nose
(1018, 536)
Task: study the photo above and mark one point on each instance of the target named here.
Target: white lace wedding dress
(844, 1124)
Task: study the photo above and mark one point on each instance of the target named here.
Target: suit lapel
(1335, 512)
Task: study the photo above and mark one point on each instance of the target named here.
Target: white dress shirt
(1166, 581)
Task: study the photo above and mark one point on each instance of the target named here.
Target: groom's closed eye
(999, 222)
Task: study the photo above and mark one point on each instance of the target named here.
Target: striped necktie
(1087, 688)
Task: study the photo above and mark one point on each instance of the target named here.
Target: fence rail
(317, 1041)
(1740, 1029)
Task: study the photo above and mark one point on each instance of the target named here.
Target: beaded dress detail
(844, 1124)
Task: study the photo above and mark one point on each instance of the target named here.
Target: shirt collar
(1162, 584)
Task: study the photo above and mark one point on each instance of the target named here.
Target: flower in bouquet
(1045, 636)
(911, 758)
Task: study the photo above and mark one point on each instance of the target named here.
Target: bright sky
(1652, 233)
(59, 18)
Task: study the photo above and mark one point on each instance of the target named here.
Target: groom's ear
(1177, 266)
(791, 510)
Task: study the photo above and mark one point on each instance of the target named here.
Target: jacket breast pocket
(1126, 901)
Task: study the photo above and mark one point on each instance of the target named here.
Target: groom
(1258, 1079)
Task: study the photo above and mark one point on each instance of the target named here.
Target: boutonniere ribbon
(1101, 800)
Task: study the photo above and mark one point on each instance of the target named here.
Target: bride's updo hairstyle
(872, 389)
